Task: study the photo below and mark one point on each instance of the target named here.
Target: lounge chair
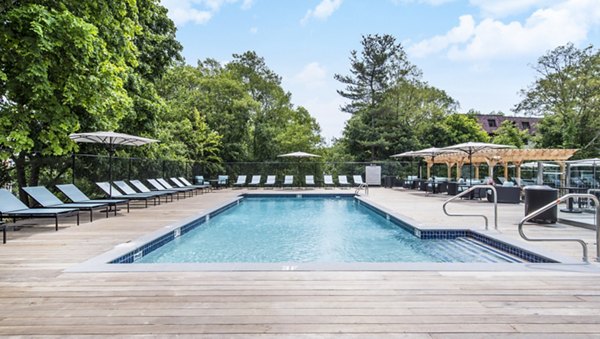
(205, 186)
(199, 179)
(163, 182)
(222, 181)
(179, 184)
(145, 190)
(343, 181)
(241, 181)
(76, 195)
(288, 180)
(159, 187)
(309, 180)
(113, 192)
(129, 190)
(12, 207)
(48, 200)
(328, 180)
(357, 180)
(255, 181)
(270, 181)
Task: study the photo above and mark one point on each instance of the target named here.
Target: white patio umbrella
(111, 139)
(431, 152)
(473, 147)
(298, 155)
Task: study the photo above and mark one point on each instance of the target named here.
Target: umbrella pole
(111, 150)
(471, 171)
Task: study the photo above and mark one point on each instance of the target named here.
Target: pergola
(504, 157)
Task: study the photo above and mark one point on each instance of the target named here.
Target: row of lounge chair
(288, 181)
(52, 207)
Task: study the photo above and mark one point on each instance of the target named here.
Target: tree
(274, 120)
(56, 71)
(456, 129)
(68, 65)
(566, 92)
(381, 65)
(509, 134)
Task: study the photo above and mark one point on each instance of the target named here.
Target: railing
(555, 203)
(471, 189)
(363, 186)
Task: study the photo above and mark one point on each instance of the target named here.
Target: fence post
(73, 168)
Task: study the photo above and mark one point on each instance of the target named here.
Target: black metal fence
(85, 170)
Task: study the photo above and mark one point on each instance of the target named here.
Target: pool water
(319, 230)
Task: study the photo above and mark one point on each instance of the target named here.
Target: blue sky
(479, 51)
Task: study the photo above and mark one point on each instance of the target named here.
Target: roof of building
(491, 122)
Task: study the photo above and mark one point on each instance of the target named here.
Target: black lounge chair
(328, 181)
(74, 194)
(12, 207)
(343, 181)
(46, 199)
(159, 186)
(205, 184)
(241, 181)
(179, 184)
(144, 189)
(113, 192)
(122, 185)
(166, 185)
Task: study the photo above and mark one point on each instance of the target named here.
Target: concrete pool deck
(38, 298)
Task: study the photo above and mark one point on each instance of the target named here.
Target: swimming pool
(316, 229)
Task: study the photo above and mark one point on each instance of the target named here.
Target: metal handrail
(556, 202)
(364, 186)
(476, 215)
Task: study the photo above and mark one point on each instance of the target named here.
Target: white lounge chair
(270, 181)
(357, 180)
(288, 181)
(328, 180)
(309, 180)
(343, 181)
(255, 181)
(241, 181)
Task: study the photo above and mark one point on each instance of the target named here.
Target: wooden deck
(38, 298)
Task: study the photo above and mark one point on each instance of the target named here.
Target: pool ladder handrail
(363, 186)
(555, 203)
(471, 189)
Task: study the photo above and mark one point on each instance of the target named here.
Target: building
(491, 122)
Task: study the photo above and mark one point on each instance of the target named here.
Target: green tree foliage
(390, 106)
(509, 134)
(455, 129)
(57, 72)
(381, 64)
(567, 94)
(69, 65)
(409, 118)
(274, 118)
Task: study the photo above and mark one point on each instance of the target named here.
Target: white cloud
(312, 75)
(569, 21)
(323, 10)
(313, 87)
(197, 11)
(253, 30)
(495, 8)
(460, 34)
(426, 2)
(247, 4)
